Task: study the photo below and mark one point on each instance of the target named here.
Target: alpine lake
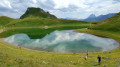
(61, 40)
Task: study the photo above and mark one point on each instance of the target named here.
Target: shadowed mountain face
(37, 12)
(93, 18)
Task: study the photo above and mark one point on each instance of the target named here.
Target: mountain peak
(37, 12)
(92, 16)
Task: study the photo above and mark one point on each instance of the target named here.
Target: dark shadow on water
(36, 33)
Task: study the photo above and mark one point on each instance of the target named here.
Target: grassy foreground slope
(12, 56)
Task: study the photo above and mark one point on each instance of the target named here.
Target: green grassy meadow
(38, 22)
(15, 56)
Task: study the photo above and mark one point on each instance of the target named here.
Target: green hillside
(37, 17)
(109, 28)
(5, 20)
(37, 12)
(37, 22)
(111, 24)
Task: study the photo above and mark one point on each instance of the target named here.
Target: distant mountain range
(93, 18)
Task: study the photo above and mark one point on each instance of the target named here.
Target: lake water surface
(65, 41)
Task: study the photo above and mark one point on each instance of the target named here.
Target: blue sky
(61, 8)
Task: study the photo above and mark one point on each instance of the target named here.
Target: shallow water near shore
(66, 41)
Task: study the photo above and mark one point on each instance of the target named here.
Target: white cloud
(5, 3)
(64, 8)
(86, 7)
(34, 1)
(67, 3)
